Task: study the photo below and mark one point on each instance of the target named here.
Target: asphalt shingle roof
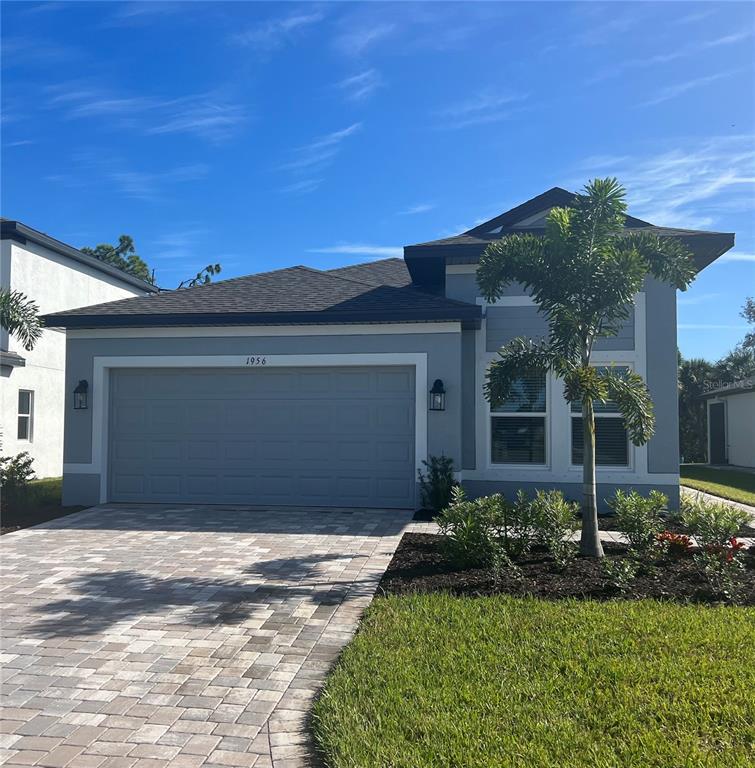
(286, 296)
(384, 272)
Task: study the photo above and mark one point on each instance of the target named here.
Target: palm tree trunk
(589, 544)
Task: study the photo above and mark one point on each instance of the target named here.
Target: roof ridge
(327, 273)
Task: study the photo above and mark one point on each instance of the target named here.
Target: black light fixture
(438, 396)
(80, 395)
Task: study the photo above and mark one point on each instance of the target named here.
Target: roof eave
(469, 316)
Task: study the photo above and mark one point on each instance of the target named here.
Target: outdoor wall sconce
(80, 396)
(438, 396)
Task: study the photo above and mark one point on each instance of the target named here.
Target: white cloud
(678, 89)
(488, 106)
(275, 33)
(701, 298)
(412, 210)
(302, 187)
(359, 87)
(321, 151)
(737, 256)
(356, 39)
(361, 249)
(205, 115)
(651, 62)
(689, 185)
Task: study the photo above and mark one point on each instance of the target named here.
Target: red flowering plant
(726, 551)
(676, 544)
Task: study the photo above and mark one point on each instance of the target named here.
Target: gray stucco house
(309, 387)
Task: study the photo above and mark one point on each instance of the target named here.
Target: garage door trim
(101, 389)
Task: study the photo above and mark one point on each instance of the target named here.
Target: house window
(25, 414)
(611, 440)
(517, 427)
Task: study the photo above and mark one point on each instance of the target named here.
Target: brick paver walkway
(143, 637)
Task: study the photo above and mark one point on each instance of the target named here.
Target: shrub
(15, 474)
(639, 518)
(437, 484)
(554, 520)
(471, 529)
(517, 526)
(676, 544)
(712, 523)
(619, 572)
(721, 568)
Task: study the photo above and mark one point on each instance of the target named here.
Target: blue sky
(263, 135)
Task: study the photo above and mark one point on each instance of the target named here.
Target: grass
(433, 680)
(727, 483)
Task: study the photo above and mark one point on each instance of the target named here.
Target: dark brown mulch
(15, 519)
(419, 566)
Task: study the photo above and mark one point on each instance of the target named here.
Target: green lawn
(726, 483)
(433, 680)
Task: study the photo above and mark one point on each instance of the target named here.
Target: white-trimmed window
(518, 426)
(611, 439)
(25, 414)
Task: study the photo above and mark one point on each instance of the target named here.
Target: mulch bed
(419, 566)
(15, 519)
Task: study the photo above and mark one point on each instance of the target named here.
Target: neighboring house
(57, 277)
(309, 387)
(731, 424)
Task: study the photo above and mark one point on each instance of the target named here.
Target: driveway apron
(183, 636)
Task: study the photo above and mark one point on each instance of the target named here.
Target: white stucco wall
(740, 429)
(56, 283)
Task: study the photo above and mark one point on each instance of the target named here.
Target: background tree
(202, 277)
(748, 313)
(20, 317)
(694, 376)
(583, 274)
(122, 256)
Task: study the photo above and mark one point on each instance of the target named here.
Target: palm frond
(517, 359)
(19, 316)
(667, 258)
(516, 258)
(631, 395)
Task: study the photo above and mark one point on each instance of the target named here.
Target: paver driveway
(156, 636)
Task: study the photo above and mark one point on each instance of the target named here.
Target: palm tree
(583, 273)
(19, 316)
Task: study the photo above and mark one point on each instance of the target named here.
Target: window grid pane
(518, 440)
(23, 427)
(24, 402)
(527, 395)
(611, 442)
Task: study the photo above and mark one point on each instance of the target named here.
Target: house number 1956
(256, 360)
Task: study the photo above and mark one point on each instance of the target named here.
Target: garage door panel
(327, 437)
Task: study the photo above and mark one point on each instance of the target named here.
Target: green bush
(437, 484)
(619, 572)
(722, 570)
(554, 520)
(471, 530)
(640, 518)
(15, 474)
(712, 523)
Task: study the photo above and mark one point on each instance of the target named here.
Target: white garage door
(279, 436)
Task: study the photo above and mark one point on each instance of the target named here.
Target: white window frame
(545, 415)
(629, 466)
(28, 416)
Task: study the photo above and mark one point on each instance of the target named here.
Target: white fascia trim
(197, 331)
(99, 395)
